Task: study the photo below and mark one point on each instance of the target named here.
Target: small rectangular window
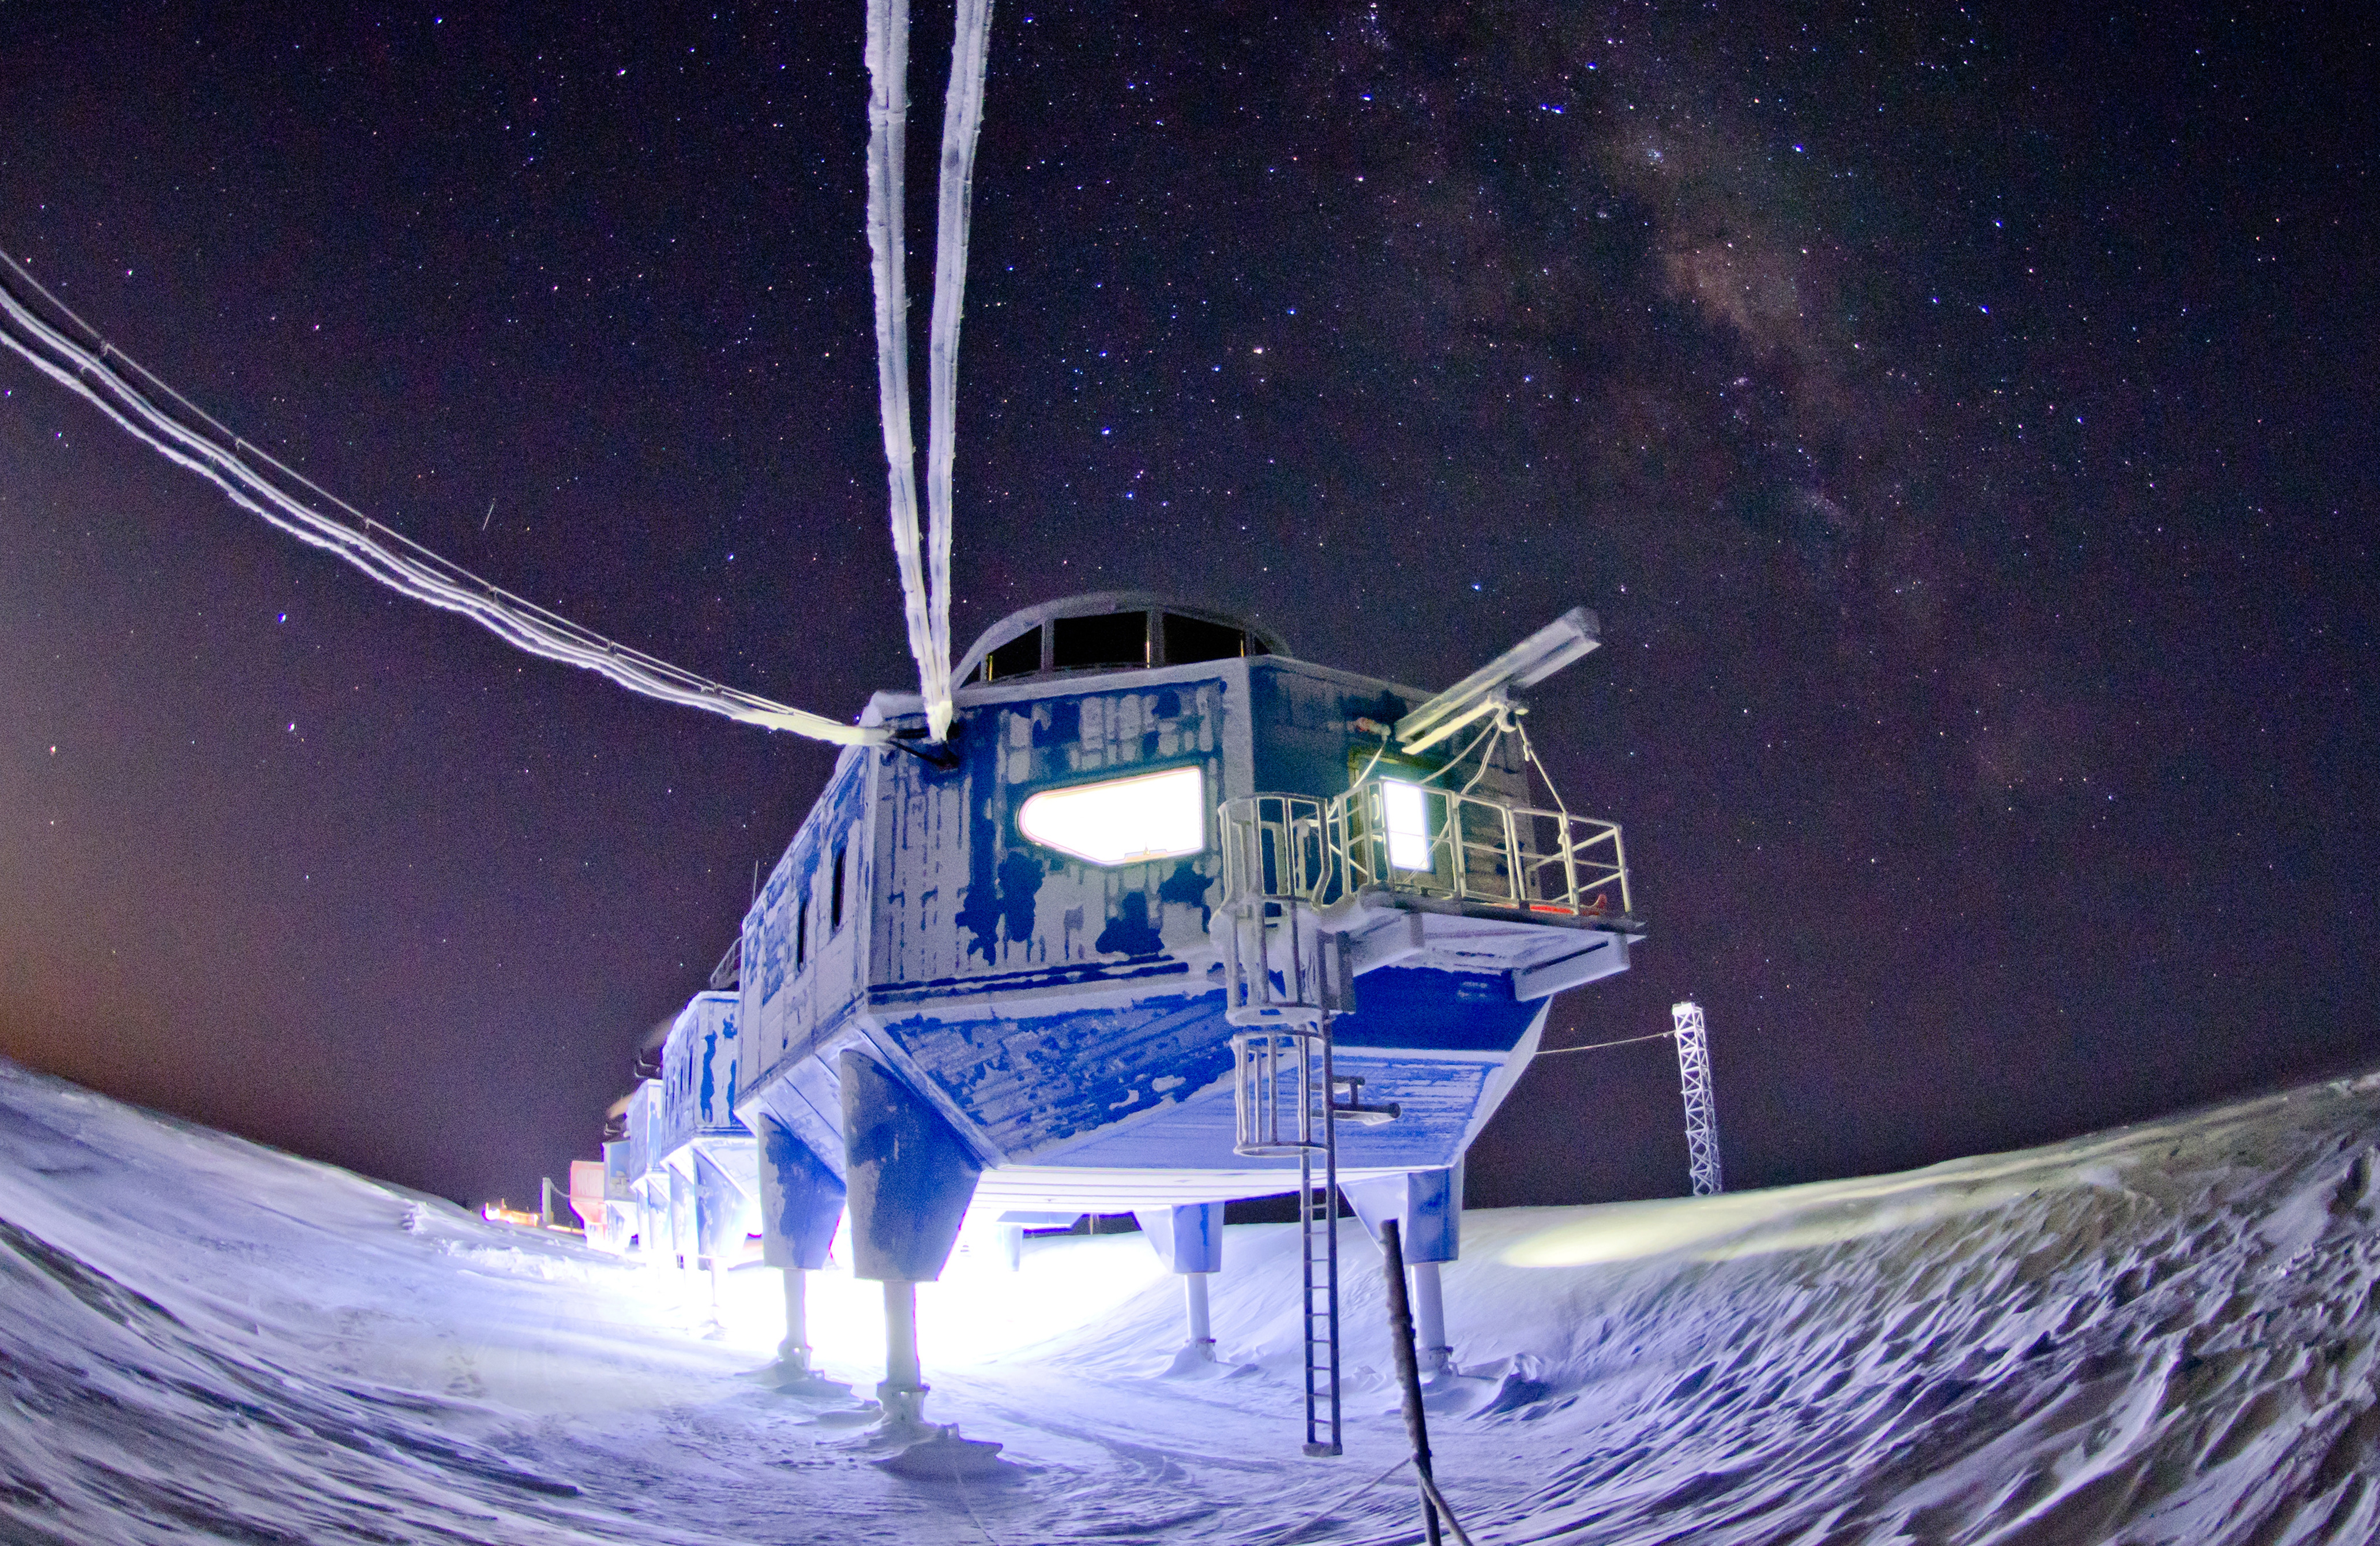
(834, 895)
(1110, 638)
(802, 931)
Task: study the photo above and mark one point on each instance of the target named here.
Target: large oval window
(1121, 820)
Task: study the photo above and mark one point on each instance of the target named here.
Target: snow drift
(2158, 1334)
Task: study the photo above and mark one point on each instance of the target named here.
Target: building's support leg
(1429, 1317)
(721, 1213)
(794, 1352)
(902, 1394)
(682, 1223)
(1188, 1238)
(910, 1179)
(801, 1203)
(1427, 1206)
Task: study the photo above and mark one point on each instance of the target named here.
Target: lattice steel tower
(1702, 1112)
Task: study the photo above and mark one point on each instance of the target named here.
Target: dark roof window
(1189, 640)
(1018, 657)
(1111, 638)
(1109, 630)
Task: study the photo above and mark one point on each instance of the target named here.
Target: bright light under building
(1408, 815)
(1121, 820)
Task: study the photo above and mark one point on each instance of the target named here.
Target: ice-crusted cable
(887, 139)
(925, 576)
(962, 122)
(137, 401)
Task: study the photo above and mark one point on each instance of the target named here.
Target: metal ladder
(1282, 1080)
(1318, 1244)
(1283, 979)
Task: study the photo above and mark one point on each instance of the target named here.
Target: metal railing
(1406, 836)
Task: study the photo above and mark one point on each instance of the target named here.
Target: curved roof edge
(1091, 604)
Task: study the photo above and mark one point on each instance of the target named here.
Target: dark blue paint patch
(979, 908)
(1428, 1010)
(1129, 932)
(1020, 881)
(806, 1194)
(1187, 887)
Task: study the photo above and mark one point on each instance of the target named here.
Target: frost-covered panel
(639, 1128)
(803, 951)
(698, 1072)
(1306, 724)
(1311, 737)
(1435, 1096)
(965, 897)
(1034, 1082)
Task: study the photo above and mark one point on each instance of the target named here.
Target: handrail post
(1512, 859)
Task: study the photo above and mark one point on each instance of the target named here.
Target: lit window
(1123, 820)
(1408, 815)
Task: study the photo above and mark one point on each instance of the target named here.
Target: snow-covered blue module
(1169, 918)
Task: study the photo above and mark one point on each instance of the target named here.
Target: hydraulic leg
(801, 1203)
(1427, 1207)
(902, 1394)
(1429, 1317)
(1188, 1238)
(910, 1180)
(1193, 1305)
(794, 1353)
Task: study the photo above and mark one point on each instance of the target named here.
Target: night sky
(1959, 420)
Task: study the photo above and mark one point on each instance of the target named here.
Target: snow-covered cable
(888, 120)
(925, 576)
(135, 399)
(961, 121)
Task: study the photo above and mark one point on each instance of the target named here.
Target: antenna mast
(1702, 1111)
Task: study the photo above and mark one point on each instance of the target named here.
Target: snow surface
(2159, 1334)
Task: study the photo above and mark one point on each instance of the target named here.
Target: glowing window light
(1121, 820)
(1408, 815)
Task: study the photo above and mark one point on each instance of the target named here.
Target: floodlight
(1566, 638)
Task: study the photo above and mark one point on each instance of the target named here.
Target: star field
(1958, 419)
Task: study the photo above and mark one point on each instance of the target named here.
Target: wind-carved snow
(2159, 1334)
